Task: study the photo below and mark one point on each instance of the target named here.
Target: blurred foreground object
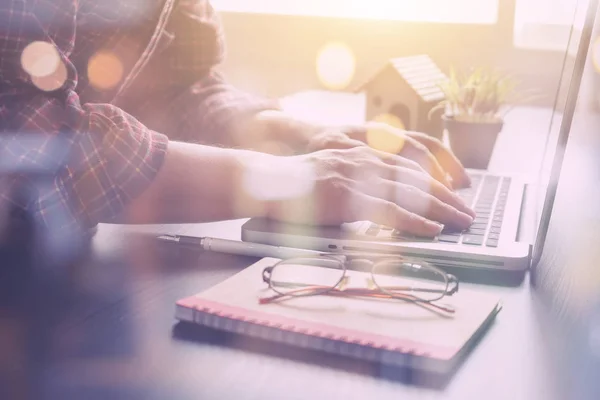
(31, 251)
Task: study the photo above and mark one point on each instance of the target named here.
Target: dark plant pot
(472, 142)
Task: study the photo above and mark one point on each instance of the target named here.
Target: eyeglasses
(393, 278)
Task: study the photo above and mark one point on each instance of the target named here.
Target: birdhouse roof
(419, 72)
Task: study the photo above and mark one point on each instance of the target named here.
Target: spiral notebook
(381, 330)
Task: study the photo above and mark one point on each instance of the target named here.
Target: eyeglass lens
(419, 280)
(316, 275)
(305, 276)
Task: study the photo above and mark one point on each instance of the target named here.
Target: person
(155, 134)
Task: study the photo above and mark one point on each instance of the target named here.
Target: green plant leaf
(479, 94)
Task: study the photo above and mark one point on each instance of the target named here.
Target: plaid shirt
(167, 51)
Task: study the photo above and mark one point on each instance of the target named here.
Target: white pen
(238, 247)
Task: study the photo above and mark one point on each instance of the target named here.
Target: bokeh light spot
(53, 81)
(105, 70)
(382, 136)
(391, 120)
(40, 59)
(335, 65)
(596, 54)
(267, 182)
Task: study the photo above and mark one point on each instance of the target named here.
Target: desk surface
(113, 335)
(106, 330)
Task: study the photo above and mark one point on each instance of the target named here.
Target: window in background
(546, 24)
(446, 11)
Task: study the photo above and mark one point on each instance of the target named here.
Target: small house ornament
(405, 90)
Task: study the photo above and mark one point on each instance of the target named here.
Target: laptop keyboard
(487, 196)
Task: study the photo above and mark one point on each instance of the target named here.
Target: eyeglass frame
(344, 260)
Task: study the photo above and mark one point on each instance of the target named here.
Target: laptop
(507, 208)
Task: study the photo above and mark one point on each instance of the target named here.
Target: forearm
(198, 184)
(273, 131)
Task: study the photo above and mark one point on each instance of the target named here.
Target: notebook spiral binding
(304, 338)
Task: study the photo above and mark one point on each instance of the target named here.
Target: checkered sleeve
(202, 106)
(212, 110)
(111, 156)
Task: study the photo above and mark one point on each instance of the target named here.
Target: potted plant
(474, 113)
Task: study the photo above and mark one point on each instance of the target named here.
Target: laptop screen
(575, 55)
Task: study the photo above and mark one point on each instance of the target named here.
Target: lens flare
(40, 59)
(381, 134)
(53, 81)
(335, 65)
(596, 54)
(265, 181)
(105, 70)
(391, 120)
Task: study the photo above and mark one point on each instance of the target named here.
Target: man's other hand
(430, 153)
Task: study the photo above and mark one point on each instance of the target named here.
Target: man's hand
(428, 152)
(361, 183)
(329, 187)
(303, 136)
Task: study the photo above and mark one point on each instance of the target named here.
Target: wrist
(292, 133)
(274, 186)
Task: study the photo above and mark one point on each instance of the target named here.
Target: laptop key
(449, 238)
(475, 231)
(396, 234)
(450, 230)
(472, 240)
(478, 226)
(492, 243)
(494, 236)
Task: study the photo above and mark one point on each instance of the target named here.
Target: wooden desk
(105, 330)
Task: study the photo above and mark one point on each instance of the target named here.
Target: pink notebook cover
(379, 330)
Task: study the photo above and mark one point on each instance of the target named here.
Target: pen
(238, 247)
